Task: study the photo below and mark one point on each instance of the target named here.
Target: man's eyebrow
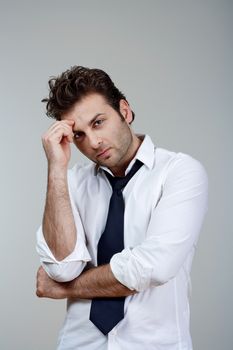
(94, 118)
(91, 121)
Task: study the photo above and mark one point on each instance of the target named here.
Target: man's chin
(107, 162)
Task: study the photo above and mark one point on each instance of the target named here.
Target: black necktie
(107, 312)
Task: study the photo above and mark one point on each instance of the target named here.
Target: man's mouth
(103, 153)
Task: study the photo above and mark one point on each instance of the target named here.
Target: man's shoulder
(163, 155)
(178, 164)
(81, 172)
(167, 158)
(84, 167)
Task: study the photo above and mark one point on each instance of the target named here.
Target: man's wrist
(57, 172)
(72, 289)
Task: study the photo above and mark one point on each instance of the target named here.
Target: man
(121, 254)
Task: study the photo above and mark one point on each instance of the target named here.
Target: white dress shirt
(165, 203)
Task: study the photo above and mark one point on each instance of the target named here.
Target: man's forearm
(58, 222)
(94, 283)
(97, 282)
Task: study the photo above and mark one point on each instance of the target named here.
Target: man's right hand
(56, 142)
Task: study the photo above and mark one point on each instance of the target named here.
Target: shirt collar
(145, 154)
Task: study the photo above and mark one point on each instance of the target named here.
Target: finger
(38, 277)
(57, 124)
(66, 140)
(57, 133)
(60, 125)
(68, 123)
(62, 133)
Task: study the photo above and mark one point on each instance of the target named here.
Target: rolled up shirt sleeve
(173, 229)
(72, 265)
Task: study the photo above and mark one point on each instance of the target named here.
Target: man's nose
(95, 141)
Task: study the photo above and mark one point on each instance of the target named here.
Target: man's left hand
(46, 287)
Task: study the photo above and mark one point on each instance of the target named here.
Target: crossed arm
(93, 283)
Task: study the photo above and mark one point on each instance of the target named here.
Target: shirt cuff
(130, 271)
(68, 268)
(80, 251)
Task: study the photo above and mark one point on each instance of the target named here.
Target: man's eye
(78, 135)
(98, 122)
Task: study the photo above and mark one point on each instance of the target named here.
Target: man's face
(102, 134)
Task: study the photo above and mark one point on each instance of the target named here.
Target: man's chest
(141, 196)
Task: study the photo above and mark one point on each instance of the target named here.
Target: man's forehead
(87, 108)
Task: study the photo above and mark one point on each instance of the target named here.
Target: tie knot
(118, 183)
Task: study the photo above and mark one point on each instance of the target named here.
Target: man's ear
(126, 111)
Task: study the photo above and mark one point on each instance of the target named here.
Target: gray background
(173, 60)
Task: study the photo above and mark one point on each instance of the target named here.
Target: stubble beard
(121, 161)
(122, 149)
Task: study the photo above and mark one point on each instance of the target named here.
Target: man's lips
(103, 153)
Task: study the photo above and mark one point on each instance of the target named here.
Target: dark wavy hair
(74, 84)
